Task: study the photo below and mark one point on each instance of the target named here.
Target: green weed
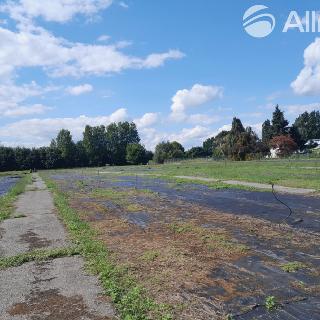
(271, 303)
(37, 255)
(293, 266)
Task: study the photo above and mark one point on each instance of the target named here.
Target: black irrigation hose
(290, 210)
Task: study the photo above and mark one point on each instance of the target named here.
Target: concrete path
(263, 186)
(59, 289)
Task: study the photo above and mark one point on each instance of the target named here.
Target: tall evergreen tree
(279, 123)
(267, 132)
(237, 128)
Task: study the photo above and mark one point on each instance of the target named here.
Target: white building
(313, 142)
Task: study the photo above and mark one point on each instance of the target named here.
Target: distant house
(274, 153)
(313, 144)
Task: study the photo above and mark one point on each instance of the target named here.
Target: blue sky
(180, 69)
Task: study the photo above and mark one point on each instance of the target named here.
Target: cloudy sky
(180, 69)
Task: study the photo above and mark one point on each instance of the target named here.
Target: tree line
(240, 143)
(119, 144)
(116, 144)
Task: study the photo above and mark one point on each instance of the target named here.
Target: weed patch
(293, 266)
(37, 255)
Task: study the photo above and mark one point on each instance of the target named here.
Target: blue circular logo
(257, 22)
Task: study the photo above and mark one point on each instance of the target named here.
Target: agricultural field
(287, 172)
(190, 251)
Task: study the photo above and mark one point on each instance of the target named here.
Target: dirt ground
(208, 253)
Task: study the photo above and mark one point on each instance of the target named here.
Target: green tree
(296, 136)
(279, 123)
(53, 158)
(267, 131)
(95, 145)
(23, 158)
(234, 144)
(167, 151)
(308, 126)
(176, 150)
(136, 154)
(196, 152)
(80, 157)
(221, 147)
(208, 146)
(119, 136)
(7, 159)
(66, 147)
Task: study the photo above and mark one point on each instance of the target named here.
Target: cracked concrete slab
(58, 289)
(54, 290)
(37, 227)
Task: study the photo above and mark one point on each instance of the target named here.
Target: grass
(130, 299)
(293, 266)
(285, 172)
(6, 201)
(37, 255)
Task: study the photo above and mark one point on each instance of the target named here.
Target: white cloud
(251, 115)
(256, 127)
(39, 132)
(55, 11)
(297, 109)
(147, 120)
(191, 136)
(81, 89)
(13, 97)
(104, 38)
(196, 96)
(58, 57)
(123, 5)
(275, 95)
(119, 115)
(156, 60)
(203, 119)
(188, 137)
(308, 80)
(25, 110)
